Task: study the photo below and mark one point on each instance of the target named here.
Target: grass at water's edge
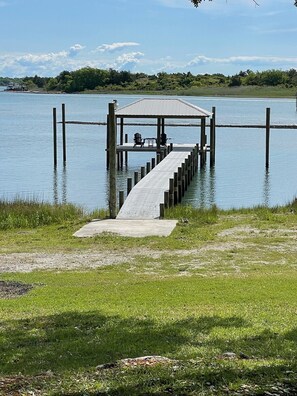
(242, 91)
(220, 302)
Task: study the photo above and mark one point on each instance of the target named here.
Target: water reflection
(60, 194)
(266, 188)
(55, 187)
(212, 186)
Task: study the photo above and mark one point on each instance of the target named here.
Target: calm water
(238, 180)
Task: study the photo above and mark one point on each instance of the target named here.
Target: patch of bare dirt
(27, 262)
(10, 289)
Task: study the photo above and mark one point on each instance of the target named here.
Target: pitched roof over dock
(161, 108)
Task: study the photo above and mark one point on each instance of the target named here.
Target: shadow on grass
(77, 342)
(83, 340)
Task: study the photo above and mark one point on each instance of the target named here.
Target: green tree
(235, 81)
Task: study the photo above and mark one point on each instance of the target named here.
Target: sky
(45, 37)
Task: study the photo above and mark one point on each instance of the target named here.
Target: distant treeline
(89, 79)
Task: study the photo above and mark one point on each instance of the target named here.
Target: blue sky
(45, 37)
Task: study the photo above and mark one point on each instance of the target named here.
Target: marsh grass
(21, 213)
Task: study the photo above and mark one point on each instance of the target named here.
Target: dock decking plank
(144, 199)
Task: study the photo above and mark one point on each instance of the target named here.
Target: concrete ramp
(128, 228)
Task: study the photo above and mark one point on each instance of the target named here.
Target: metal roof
(163, 108)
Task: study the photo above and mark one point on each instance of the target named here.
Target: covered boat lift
(160, 110)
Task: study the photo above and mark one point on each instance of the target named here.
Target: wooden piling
(162, 211)
(64, 132)
(176, 196)
(142, 172)
(112, 161)
(148, 167)
(107, 142)
(121, 158)
(126, 152)
(267, 137)
(136, 178)
(179, 184)
(166, 199)
(55, 136)
(121, 199)
(183, 178)
(213, 138)
(202, 143)
(171, 193)
(153, 163)
(129, 185)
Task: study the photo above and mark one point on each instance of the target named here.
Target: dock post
(107, 143)
(189, 170)
(162, 211)
(121, 199)
(166, 198)
(153, 163)
(213, 138)
(136, 177)
(202, 143)
(129, 185)
(55, 136)
(267, 137)
(186, 174)
(64, 132)
(158, 135)
(121, 157)
(191, 165)
(183, 179)
(148, 167)
(205, 150)
(176, 197)
(112, 161)
(118, 160)
(180, 190)
(171, 193)
(126, 152)
(142, 172)
(196, 156)
(158, 158)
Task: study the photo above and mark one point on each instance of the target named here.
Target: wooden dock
(172, 176)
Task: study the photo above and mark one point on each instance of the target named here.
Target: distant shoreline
(236, 92)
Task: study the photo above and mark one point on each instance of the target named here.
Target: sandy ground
(234, 238)
(27, 262)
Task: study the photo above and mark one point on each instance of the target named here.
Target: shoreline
(222, 92)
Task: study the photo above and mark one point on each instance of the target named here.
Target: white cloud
(115, 46)
(250, 60)
(128, 61)
(75, 49)
(44, 64)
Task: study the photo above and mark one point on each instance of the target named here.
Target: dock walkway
(145, 198)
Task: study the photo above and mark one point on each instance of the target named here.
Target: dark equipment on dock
(163, 139)
(138, 141)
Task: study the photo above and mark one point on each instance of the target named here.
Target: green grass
(224, 281)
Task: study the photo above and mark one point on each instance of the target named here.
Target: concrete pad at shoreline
(129, 228)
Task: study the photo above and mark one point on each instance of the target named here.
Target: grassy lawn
(219, 300)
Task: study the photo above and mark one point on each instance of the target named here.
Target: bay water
(239, 178)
